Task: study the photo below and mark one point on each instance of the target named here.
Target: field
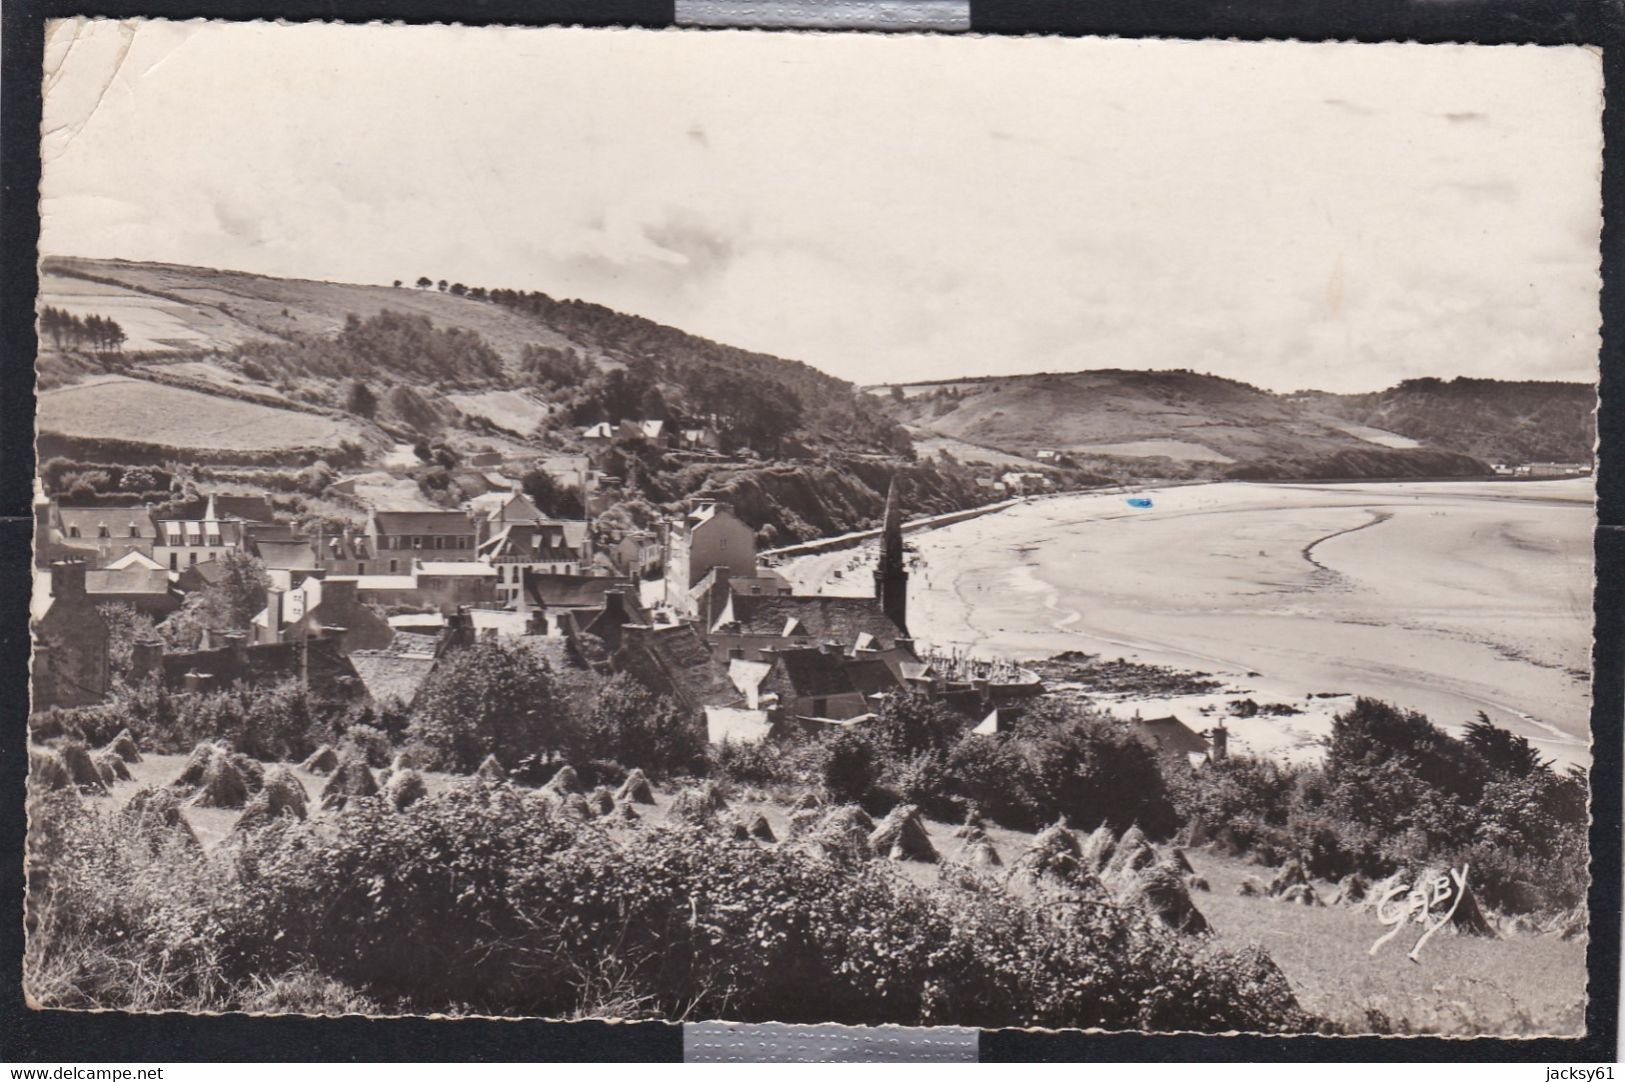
(1520, 983)
(513, 410)
(171, 307)
(928, 444)
(1178, 450)
(136, 411)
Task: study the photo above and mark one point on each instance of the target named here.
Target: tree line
(66, 329)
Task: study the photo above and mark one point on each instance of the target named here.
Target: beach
(1448, 598)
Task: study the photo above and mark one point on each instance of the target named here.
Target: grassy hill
(1180, 423)
(1498, 420)
(530, 359)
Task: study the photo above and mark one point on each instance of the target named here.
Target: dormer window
(103, 531)
(73, 531)
(135, 531)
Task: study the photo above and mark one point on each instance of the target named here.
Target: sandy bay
(1447, 598)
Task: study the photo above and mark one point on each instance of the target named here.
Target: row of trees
(70, 331)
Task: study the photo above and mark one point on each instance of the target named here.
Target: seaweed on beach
(1120, 677)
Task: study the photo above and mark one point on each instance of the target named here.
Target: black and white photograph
(1066, 533)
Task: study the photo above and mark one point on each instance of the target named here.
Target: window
(394, 566)
(174, 561)
(193, 559)
(73, 531)
(135, 531)
(360, 569)
(103, 531)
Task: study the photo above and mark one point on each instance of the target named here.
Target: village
(692, 610)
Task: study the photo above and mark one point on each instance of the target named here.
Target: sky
(886, 207)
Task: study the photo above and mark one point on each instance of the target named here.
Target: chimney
(615, 606)
(68, 578)
(195, 681)
(1220, 737)
(146, 656)
(273, 616)
(237, 643)
(207, 638)
(338, 596)
(832, 648)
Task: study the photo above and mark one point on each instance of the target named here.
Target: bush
(508, 910)
(488, 699)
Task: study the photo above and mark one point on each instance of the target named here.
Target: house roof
(747, 677)
(134, 558)
(824, 619)
(289, 555)
(378, 582)
(118, 521)
(523, 539)
(1173, 736)
(813, 673)
(675, 661)
(568, 591)
(511, 507)
(423, 522)
(871, 675)
(127, 582)
(328, 670)
(212, 572)
(456, 568)
(392, 675)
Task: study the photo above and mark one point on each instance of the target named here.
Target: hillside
(1172, 424)
(530, 359)
(1496, 420)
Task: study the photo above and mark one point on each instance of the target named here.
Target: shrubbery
(481, 899)
(1395, 793)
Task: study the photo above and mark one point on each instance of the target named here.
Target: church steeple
(891, 575)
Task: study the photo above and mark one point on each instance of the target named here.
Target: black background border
(28, 1036)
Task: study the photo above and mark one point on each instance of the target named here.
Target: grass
(137, 411)
(1517, 985)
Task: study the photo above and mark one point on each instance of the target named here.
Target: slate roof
(447, 523)
(872, 676)
(330, 673)
(822, 619)
(568, 591)
(289, 555)
(814, 674)
(391, 675)
(135, 581)
(118, 521)
(464, 568)
(675, 661)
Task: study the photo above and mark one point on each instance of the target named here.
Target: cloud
(883, 207)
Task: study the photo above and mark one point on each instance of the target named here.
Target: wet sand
(1447, 598)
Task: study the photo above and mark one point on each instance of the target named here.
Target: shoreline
(1463, 598)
